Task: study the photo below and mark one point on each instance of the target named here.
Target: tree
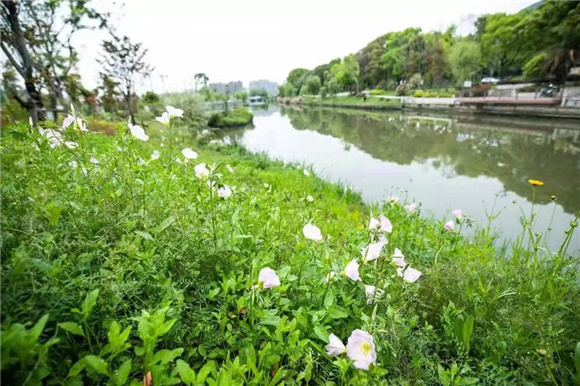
(110, 96)
(287, 90)
(465, 60)
(296, 78)
(312, 85)
(242, 96)
(16, 49)
(332, 86)
(201, 79)
(37, 38)
(150, 97)
(125, 63)
(347, 72)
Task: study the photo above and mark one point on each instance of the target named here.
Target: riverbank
(144, 263)
(446, 105)
(234, 118)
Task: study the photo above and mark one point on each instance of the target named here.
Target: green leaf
(329, 299)
(321, 334)
(145, 235)
(185, 372)
(35, 331)
(577, 362)
(77, 368)
(97, 363)
(122, 373)
(89, 303)
(165, 224)
(166, 356)
(205, 370)
(72, 327)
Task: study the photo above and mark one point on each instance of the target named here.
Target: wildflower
(329, 276)
(94, 161)
(335, 346)
(410, 275)
(188, 153)
(310, 198)
(449, 226)
(201, 171)
(71, 144)
(399, 258)
(138, 132)
(312, 232)
(224, 192)
(373, 250)
(155, 155)
(230, 169)
(386, 225)
(173, 112)
(266, 186)
(73, 164)
(68, 120)
(361, 349)
(393, 199)
(457, 213)
(411, 207)
(535, 182)
(141, 161)
(553, 197)
(306, 172)
(351, 270)
(53, 137)
(267, 278)
(372, 293)
(165, 118)
(374, 223)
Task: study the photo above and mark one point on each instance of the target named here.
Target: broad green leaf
(35, 331)
(122, 373)
(205, 370)
(321, 334)
(145, 235)
(165, 224)
(166, 356)
(89, 302)
(185, 372)
(97, 363)
(72, 327)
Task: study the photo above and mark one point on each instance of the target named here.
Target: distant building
(270, 87)
(225, 88)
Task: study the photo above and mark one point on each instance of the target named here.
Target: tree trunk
(34, 105)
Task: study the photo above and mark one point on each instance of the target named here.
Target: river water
(472, 163)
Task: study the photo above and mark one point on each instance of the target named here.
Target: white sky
(259, 39)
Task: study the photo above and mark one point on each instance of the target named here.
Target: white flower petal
(268, 278)
(335, 346)
(201, 171)
(312, 232)
(189, 154)
(361, 349)
(351, 270)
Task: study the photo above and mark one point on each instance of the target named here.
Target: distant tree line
(541, 42)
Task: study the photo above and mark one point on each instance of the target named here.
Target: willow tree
(124, 62)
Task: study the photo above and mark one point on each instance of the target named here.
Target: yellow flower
(536, 182)
(553, 197)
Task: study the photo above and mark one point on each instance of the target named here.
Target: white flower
(449, 226)
(458, 214)
(230, 169)
(399, 258)
(312, 232)
(374, 223)
(335, 346)
(173, 112)
(224, 192)
(155, 155)
(266, 186)
(141, 161)
(373, 250)
(393, 199)
(164, 118)
(310, 198)
(306, 172)
(268, 278)
(329, 276)
(188, 153)
(410, 275)
(372, 293)
(67, 121)
(351, 270)
(71, 144)
(386, 225)
(411, 207)
(73, 164)
(54, 137)
(138, 132)
(82, 125)
(361, 349)
(201, 171)
(94, 161)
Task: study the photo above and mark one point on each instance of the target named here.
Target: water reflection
(443, 162)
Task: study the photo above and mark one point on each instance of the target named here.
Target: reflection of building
(223, 88)
(270, 87)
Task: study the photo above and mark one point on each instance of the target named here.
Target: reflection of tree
(511, 157)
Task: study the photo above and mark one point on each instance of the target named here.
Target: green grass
(352, 101)
(233, 118)
(130, 267)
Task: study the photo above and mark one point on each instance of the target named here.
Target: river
(472, 163)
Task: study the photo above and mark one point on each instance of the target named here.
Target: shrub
(401, 90)
(236, 117)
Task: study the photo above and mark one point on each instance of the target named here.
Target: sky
(232, 40)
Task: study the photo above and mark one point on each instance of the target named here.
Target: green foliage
(236, 117)
(146, 270)
(296, 78)
(150, 97)
(465, 59)
(242, 96)
(312, 85)
(347, 72)
(190, 103)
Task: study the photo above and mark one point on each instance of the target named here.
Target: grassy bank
(233, 118)
(119, 260)
(352, 101)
